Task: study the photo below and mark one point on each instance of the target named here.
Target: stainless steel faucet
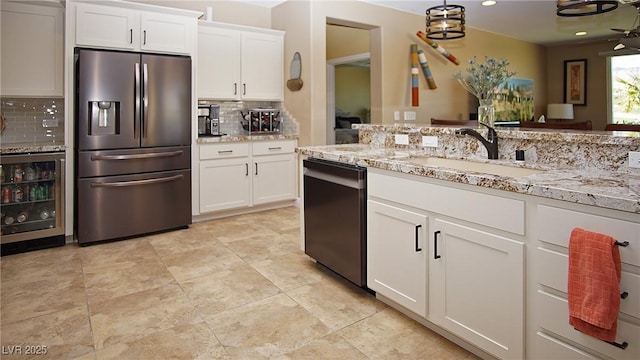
(491, 142)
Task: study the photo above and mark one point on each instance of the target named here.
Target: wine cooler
(32, 202)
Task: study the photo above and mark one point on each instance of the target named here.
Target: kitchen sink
(479, 167)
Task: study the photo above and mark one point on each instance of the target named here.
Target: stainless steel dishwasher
(335, 196)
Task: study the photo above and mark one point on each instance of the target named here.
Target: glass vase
(486, 112)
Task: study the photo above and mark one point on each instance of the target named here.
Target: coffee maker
(209, 120)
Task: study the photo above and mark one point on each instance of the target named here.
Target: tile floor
(233, 288)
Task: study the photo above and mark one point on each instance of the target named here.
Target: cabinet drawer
(555, 226)
(548, 347)
(273, 147)
(553, 315)
(490, 210)
(224, 150)
(554, 275)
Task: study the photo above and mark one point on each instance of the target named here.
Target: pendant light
(445, 22)
(585, 7)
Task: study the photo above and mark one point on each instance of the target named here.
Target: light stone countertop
(240, 138)
(27, 148)
(611, 189)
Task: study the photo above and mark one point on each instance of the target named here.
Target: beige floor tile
(66, 334)
(263, 246)
(238, 285)
(189, 341)
(110, 281)
(131, 317)
(24, 300)
(269, 327)
(280, 220)
(336, 302)
(114, 253)
(331, 346)
(237, 227)
(41, 265)
(390, 335)
(289, 271)
(199, 262)
(195, 237)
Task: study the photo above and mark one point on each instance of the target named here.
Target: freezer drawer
(129, 161)
(115, 207)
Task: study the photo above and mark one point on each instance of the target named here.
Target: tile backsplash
(33, 120)
(230, 115)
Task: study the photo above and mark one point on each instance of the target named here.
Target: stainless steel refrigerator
(133, 144)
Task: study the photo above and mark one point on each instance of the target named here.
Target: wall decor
(513, 100)
(575, 82)
(295, 82)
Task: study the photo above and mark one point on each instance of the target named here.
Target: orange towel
(594, 284)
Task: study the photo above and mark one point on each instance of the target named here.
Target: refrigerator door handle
(136, 115)
(138, 182)
(145, 100)
(137, 156)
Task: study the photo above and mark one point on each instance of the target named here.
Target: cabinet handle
(256, 168)
(435, 245)
(130, 36)
(225, 151)
(624, 295)
(244, 89)
(144, 37)
(276, 148)
(246, 169)
(623, 243)
(235, 88)
(418, 249)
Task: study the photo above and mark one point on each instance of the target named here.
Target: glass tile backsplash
(33, 120)
(230, 115)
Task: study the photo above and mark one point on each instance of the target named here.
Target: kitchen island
(479, 253)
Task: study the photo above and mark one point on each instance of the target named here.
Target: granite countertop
(26, 148)
(611, 189)
(240, 138)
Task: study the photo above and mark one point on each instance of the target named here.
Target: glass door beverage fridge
(32, 202)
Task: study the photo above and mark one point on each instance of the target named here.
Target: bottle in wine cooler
(6, 195)
(17, 175)
(22, 217)
(18, 195)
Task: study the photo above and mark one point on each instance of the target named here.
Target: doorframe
(331, 90)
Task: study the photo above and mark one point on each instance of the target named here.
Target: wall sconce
(560, 111)
(445, 22)
(585, 7)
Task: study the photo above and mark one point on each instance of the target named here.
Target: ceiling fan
(631, 37)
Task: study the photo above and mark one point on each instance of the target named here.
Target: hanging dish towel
(594, 284)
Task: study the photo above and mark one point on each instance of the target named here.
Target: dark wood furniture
(578, 125)
(622, 127)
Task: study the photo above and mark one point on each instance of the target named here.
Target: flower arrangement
(484, 78)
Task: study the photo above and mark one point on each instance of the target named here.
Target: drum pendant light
(445, 22)
(584, 7)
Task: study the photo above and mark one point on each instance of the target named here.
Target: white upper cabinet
(239, 63)
(130, 29)
(32, 50)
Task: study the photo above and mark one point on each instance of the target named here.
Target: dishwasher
(335, 222)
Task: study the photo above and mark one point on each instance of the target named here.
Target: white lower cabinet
(476, 287)
(397, 255)
(242, 174)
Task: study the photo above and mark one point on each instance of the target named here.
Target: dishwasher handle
(325, 176)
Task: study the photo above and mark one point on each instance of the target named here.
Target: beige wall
(596, 107)
(345, 41)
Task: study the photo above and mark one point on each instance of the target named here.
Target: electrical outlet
(402, 139)
(634, 159)
(396, 115)
(409, 115)
(430, 141)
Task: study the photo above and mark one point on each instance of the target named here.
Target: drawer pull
(225, 151)
(276, 148)
(623, 244)
(618, 345)
(624, 295)
(435, 245)
(418, 249)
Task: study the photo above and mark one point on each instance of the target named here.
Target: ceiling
(531, 21)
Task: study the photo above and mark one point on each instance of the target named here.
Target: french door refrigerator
(133, 144)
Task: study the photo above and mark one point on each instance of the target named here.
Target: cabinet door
(166, 33)
(32, 47)
(224, 184)
(396, 255)
(476, 288)
(106, 26)
(274, 178)
(218, 63)
(262, 66)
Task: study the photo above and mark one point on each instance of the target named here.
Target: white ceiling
(531, 21)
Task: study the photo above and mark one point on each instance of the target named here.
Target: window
(625, 89)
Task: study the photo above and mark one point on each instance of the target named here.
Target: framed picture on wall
(575, 82)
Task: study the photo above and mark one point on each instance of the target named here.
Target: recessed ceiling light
(488, 3)
(581, 33)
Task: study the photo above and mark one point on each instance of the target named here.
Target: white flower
(484, 78)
